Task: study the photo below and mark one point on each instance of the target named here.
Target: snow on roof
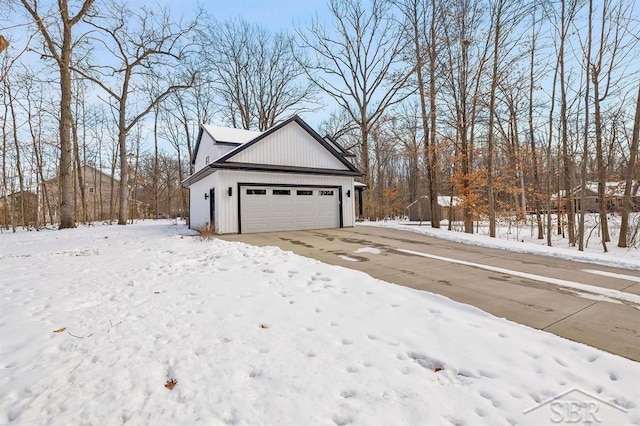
(443, 200)
(359, 185)
(612, 189)
(228, 134)
(447, 200)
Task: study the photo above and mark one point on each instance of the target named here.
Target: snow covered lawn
(95, 321)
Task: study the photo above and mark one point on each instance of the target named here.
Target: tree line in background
(514, 108)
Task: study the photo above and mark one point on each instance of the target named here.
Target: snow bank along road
(593, 304)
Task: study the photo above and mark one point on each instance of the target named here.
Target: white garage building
(285, 178)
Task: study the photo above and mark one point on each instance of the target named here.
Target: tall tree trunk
(433, 151)
(123, 189)
(549, 162)
(67, 217)
(492, 105)
(567, 165)
(532, 138)
(80, 173)
(16, 144)
(465, 148)
(112, 190)
(155, 164)
(423, 105)
(630, 174)
(602, 176)
(585, 143)
(5, 149)
(366, 168)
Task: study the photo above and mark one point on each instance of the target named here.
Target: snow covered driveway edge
(261, 336)
(625, 258)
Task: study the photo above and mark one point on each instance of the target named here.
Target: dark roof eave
(199, 175)
(211, 168)
(286, 169)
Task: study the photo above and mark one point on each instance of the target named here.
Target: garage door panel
(265, 209)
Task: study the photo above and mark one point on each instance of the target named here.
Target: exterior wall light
(230, 191)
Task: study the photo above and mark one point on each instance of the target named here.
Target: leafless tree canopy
(357, 61)
(516, 111)
(255, 73)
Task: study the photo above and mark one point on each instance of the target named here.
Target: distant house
(419, 210)
(614, 197)
(100, 196)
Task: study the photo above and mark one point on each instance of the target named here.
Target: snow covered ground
(95, 321)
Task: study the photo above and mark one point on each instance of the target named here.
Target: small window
(304, 192)
(256, 192)
(91, 190)
(326, 192)
(281, 192)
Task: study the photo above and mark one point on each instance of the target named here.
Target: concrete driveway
(534, 290)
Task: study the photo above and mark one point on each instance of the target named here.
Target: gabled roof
(224, 136)
(230, 135)
(87, 169)
(225, 162)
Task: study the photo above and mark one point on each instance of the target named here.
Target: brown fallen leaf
(438, 369)
(171, 383)
(263, 326)
(60, 330)
(156, 292)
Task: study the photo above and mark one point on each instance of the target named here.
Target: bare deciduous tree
(465, 63)
(59, 46)
(421, 14)
(359, 64)
(256, 74)
(141, 46)
(627, 205)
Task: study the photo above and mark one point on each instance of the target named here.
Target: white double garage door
(288, 208)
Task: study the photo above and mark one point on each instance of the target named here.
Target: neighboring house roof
(443, 200)
(447, 201)
(226, 161)
(88, 171)
(611, 189)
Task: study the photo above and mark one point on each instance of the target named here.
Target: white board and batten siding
(307, 185)
(227, 206)
(290, 146)
(198, 205)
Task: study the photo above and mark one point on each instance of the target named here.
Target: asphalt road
(506, 284)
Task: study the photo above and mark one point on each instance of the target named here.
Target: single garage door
(275, 208)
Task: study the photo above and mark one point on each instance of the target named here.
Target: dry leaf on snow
(171, 383)
(60, 330)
